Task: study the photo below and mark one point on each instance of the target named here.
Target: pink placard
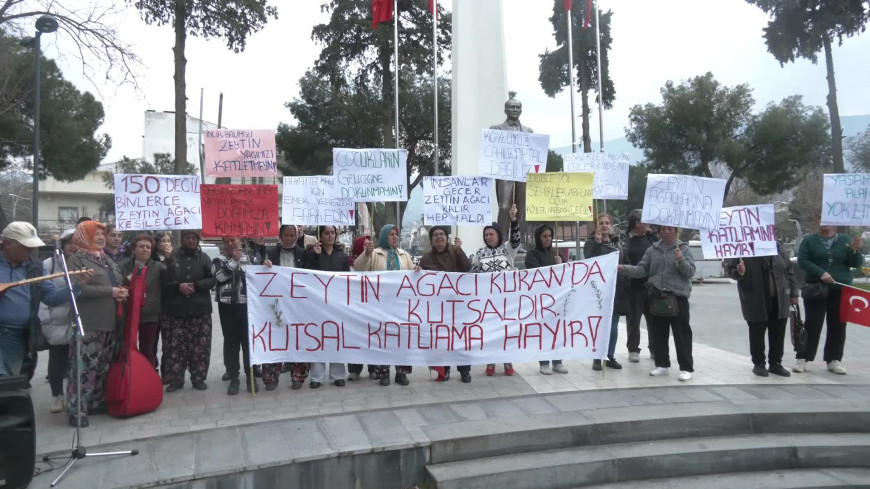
(240, 153)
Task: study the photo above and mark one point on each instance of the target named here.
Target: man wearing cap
(19, 306)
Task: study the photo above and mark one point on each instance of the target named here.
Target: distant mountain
(620, 145)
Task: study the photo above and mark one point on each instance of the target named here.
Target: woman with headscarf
(186, 318)
(289, 252)
(543, 256)
(498, 256)
(102, 321)
(328, 256)
(156, 275)
(444, 257)
(826, 258)
(387, 256)
(55, 322)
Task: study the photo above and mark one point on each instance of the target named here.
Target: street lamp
(44, 25)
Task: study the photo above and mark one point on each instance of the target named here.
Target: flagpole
(600, 88)
(435, 77)
(396, 91)
(569, 15)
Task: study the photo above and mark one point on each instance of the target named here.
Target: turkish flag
(431, 6)
(567, 5)
(587, 15)
(382, 11)
(855, 306)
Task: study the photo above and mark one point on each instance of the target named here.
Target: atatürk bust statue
(504, 189)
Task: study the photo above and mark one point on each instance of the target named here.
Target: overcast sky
(654, 41)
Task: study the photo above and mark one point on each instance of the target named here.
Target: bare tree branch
(98, 43)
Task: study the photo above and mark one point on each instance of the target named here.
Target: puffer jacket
(55, 321)
(664, 271)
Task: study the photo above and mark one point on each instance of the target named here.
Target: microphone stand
(79, 451)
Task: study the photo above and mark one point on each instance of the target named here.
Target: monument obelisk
(479, 90)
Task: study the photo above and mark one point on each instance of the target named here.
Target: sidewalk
(189, 410)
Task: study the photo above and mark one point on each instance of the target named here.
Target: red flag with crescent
(587, 15)
(567, 5)
(855, 306)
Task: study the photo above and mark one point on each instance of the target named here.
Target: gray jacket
(97, 307)
(663, 270)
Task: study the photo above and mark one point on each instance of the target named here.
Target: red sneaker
(440, 372)
(490, 370)
(509, 369)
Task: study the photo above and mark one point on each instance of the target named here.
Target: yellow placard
(559, 197)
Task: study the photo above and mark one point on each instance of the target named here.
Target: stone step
(584, 466)
(831, 478)
(493, 437)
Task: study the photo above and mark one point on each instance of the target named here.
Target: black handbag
(662, 303)
(797, 329)
(813, 292)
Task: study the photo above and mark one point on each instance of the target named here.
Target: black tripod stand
(79, 451)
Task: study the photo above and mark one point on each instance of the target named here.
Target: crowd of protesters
(654, 282)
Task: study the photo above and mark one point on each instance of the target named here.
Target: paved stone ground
(363, 415)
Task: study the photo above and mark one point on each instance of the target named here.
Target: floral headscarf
(84, 237)
(384, 243)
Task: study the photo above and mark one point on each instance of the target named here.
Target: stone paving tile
(346, 433)
(534, 405)
(384, 429)
(306, 438)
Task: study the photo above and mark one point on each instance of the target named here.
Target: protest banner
(559, 197)
(510, 155)
(683, 201)
(846, 199)
(431, 318)
(744, 231)
(371, 175)
(610, 170)
(157, 202)
(315, 201)
(239, 210)
(240, 153)
(457, 200)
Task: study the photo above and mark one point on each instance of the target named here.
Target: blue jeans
(614, 335)
(11, 350)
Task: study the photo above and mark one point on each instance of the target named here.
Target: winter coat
(633, 249)
(815, 259)
(156, 277)
(751, 285)
(335, 262)
(660, 265)
(97, 307)
(232, 288)
(55, 321)
(274, 256)
(378, 261)
(445, 261)
(540, 256)
(191, 266)
(594, 248)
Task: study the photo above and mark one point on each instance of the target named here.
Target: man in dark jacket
(637, 240)
(543, 256)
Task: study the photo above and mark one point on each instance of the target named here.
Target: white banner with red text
(431, 318)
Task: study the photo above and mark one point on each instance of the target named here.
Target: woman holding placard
(328, 256)
(767, 289)
(498, 256)
(670, 267)
(387, 256)
(605, 243)
(444, 257)
(826, 259)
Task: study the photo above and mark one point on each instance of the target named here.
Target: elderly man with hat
(19, 306)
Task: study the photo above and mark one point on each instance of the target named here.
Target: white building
(159, 136)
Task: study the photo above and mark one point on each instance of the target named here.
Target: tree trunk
(836, 129)
(180, 89)
(728, 184)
